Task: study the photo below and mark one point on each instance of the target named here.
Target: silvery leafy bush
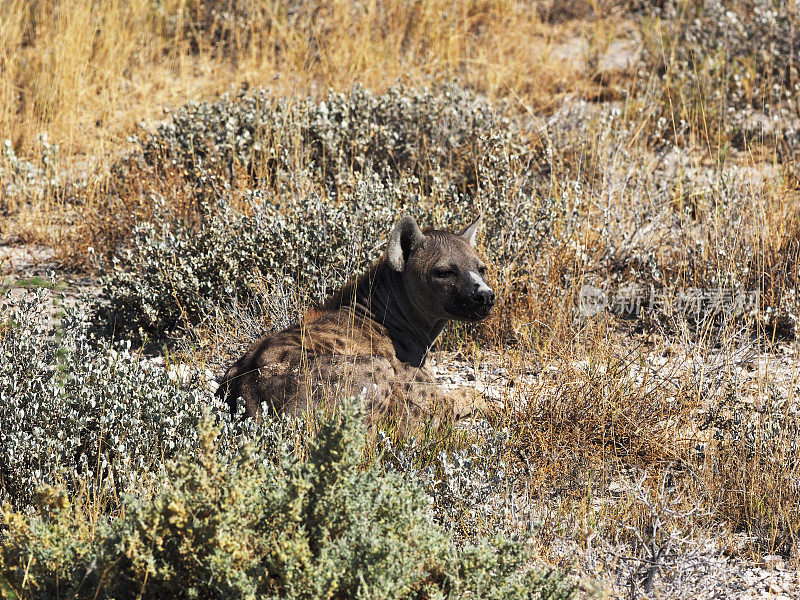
(331, 195)
(473, 490)
(84, 412)
(175, 273)
(430, 134)
(323, 527)
(756, 37)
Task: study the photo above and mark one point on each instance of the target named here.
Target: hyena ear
(405, 235)
(471, 232)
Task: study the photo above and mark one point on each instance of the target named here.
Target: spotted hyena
(371, 337)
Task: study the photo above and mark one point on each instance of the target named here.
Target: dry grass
(88, 72)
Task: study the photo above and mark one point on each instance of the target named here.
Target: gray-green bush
(77, 409)
(175, 274)
(431, 134)
(244, 528)
(342, 170)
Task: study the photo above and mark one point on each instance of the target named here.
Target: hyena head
(444, 276)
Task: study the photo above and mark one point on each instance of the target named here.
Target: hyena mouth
(471, 312)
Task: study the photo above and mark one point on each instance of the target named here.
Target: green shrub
(244, 528)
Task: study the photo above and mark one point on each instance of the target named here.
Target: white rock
(772, 561)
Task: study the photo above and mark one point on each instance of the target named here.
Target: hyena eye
(482, 270)
(443, 272)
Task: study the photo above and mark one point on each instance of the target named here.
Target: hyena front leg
(466, 401)
(417, 388)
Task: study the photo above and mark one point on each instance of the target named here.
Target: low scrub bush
(474, 487)
(175, 274)
(325, 181)
(430, 134)
(728, 73)
(431, 139)
(81, 411)
(243, 528)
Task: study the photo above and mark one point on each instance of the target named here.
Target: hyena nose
(484, 295)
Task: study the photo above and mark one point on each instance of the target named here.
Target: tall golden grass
(87, 71)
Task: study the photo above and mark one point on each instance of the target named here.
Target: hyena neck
(380, 295)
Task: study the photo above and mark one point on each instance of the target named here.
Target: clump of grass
(751, 463)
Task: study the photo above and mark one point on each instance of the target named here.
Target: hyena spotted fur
(371, 337)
